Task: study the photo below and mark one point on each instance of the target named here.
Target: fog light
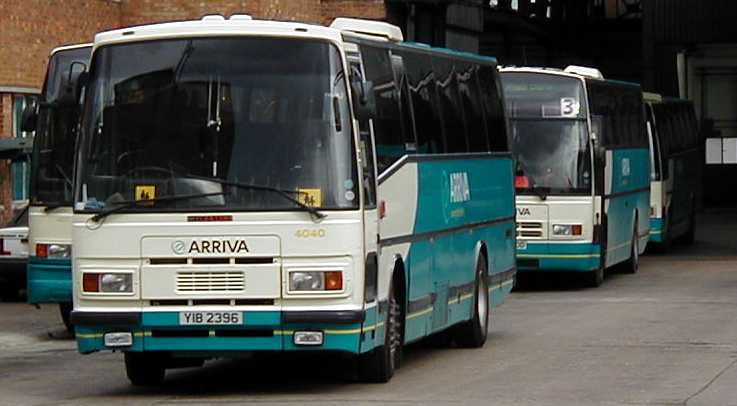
(308, 338)
(118, 339)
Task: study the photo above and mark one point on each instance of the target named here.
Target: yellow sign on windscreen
(310, 197)
(145, 192)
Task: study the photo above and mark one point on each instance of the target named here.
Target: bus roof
(217, 26)
(69, 47)
(447, 51)
(558, 72)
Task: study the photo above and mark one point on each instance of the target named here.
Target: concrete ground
(666, 336)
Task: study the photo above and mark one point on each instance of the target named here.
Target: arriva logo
(523, 211)
(460, 191)
(178, 247)
(210, 247)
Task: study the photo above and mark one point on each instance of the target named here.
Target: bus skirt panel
(657, 229)
(261, 331)
(544, 256)
(49, 280)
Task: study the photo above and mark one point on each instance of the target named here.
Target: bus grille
(210, 282)
(530, 229)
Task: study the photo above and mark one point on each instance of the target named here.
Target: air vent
(584, 71)
(369, 27)
(240, 17)
(210, 282)
(213, 17)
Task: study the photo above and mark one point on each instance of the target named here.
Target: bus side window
(388, 135)
(407, 120)
(454, 131)
(468, 87)
(421, 82)
(491, 98)
(366, 148)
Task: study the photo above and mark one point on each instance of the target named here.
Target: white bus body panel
(52, 227)
(276, 235)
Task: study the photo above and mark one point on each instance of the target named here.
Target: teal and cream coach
(676, 163)
(50, 212)
(249, 185)
(583, 170)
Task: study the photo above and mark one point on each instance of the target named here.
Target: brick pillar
(6, 204)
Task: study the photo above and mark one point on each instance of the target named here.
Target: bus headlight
(107, 283)
(54, 251)
(567, 230)
(311, 281)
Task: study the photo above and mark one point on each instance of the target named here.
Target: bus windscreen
(550, 137)
(239, 122)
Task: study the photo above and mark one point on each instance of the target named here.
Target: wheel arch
(481, 250)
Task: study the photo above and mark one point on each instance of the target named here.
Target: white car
(14, 255)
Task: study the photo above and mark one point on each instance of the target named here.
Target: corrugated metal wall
(670, 26)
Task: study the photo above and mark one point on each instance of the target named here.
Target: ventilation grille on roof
(584, 71)
(368, 27)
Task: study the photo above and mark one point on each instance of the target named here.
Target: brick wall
(6, 203)
(30, 29)
(369, 9)
(136, 12)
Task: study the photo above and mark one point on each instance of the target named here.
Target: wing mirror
(364, 101)
(29, 118)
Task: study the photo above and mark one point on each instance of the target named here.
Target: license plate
(210, 318)
(521, 245)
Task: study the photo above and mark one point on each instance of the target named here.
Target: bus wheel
(595, 277)
(473, 333)
(144, 369)
(65, 310)
(633, 264)
(378, 366)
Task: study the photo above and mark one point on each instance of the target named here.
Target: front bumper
(546, 256)
(347, 331)
(49, 280)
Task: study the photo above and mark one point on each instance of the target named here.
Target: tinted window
(451, 114)
(390, 142)
(491, 97)
(619, 107)
(421, 87)
(473, 112)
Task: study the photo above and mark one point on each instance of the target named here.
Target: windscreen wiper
(286, 194)
(130, 203)
(55, 205)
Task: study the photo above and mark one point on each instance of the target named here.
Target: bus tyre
(65, 310)
(144, 369)
(633, 264)
(473, 333)
(596, 277)
(378, 366)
